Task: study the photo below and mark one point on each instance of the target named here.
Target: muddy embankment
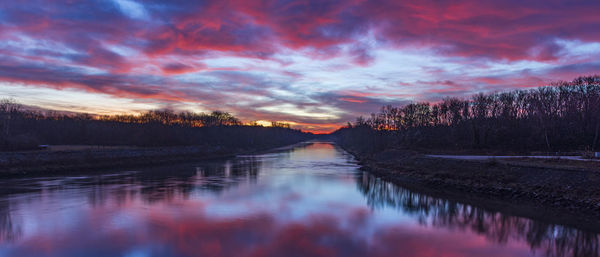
(564, 191)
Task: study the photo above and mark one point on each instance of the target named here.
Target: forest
(23, 129)
(561, 117)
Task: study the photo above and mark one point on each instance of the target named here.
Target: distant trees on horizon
(564, 116)
(25, 129)
(186, 118)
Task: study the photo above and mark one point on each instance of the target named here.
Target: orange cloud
(352, 100)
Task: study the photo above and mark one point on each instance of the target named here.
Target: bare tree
(8, 110)
(560, 117)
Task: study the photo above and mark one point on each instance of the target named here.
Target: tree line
(564, 116)
(25, 129)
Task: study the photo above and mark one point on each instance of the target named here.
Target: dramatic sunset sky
(315, 64)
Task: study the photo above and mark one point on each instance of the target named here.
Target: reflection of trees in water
(164, 183)
(168, 182)
(552, 239)
(9, 231)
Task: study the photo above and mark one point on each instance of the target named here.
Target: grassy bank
(93, 158)
(572, 190)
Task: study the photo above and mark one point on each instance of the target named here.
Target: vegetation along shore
(563, 117)
(394, 144)
(125, 140)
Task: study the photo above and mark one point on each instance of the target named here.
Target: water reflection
(168, 183)
(551, 239)
(9, 231)
(310, 200)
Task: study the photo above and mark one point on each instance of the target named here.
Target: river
(306, 200)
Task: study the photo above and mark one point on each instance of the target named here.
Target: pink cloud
(94, 46)
(180, 68)
(352, 100)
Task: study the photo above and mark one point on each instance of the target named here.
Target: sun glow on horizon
(332, 62)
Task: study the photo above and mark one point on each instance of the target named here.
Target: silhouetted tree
(152, 128)
(564, 116)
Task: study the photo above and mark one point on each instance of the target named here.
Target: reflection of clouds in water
(183, 232)
(276, 204)
(550, 239)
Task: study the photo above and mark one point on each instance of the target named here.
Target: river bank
(90, 159)
(543, 187)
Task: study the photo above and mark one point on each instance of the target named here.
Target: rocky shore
(574, 191)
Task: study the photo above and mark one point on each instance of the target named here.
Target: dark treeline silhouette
(564, 116)
(24, 129)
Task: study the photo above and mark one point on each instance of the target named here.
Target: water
(310, 200)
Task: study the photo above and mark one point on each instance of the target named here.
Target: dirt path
(491, 157)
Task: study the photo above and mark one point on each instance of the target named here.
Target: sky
(316, 64)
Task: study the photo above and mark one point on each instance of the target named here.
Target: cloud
(509, 30)
(177, 68)
(132, 9)
(302, 54)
